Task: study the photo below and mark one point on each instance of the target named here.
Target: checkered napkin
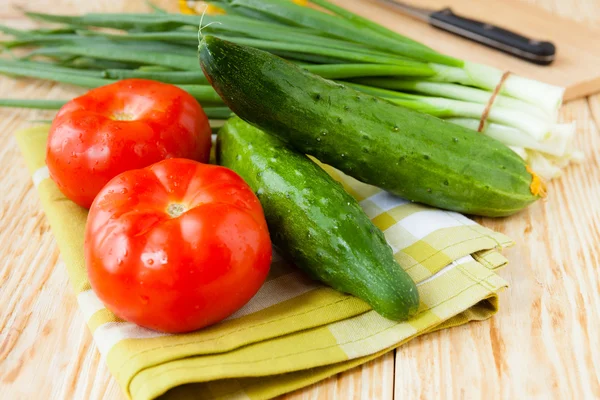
(295, 331)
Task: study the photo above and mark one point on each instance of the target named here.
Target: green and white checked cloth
(294, 332)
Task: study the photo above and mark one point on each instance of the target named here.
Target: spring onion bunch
(327, 40)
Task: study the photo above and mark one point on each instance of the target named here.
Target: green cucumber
(316, 223)
(408, 153)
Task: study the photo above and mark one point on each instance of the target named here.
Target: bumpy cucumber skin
(317, 224)
(411, 154)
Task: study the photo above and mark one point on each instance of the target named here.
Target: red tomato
(176, 246)
(126, 125)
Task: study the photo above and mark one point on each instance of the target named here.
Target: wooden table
(544, 343)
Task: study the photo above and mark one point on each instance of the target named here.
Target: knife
(537, 52)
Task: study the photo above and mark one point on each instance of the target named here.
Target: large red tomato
(129, 124)
(176, 246)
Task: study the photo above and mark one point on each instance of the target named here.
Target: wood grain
(544, 343)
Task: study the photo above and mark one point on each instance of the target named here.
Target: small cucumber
(317, 224)
(411, 154)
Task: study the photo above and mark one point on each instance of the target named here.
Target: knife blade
(535, 51)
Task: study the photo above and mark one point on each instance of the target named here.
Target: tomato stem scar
(176, 209)
(123, 116)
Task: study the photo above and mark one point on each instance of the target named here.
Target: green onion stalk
(343, 24)
(335, 44)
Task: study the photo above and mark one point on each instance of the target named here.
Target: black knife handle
(541, 53)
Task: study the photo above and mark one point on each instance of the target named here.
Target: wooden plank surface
(543, 344)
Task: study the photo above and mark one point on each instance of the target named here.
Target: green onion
(29, 103)
(544, 96)
(54, 31)
(51, 67)
(218, 112)
(538, 128)
(361, 21)
(83, 63)
(190, 77)
(342, 28)
(204, 94)
(557, 144)
(17, 69)
(278, 33)
(121, 21)
(213, 113)
(172, 36)
(155, 68)
(345, 71)
(347, 55)
(118, 53)
(452, 91)
(264, 33)
(14, 32)
(43, 39)
(308, 58)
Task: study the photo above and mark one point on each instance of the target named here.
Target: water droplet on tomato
(119, 261)
(150, 261)
(124, 190)
(144, 299)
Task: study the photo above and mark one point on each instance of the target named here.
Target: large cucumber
(411, 154)
(319, 227)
